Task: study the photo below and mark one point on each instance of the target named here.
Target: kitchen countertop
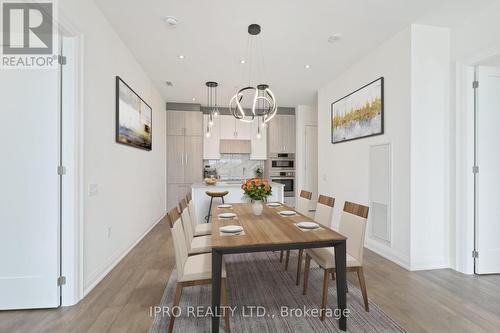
(223, 184)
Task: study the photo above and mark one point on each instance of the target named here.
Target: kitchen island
(235, 195)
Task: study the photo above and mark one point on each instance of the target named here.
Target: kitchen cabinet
(282, 134)
(176, 192)
(193, 152)
(184, 159)
(211, 143)
(259, 146)
(184, 123)
(184, 153)
(232, 128)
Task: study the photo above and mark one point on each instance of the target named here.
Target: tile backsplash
(233, 166)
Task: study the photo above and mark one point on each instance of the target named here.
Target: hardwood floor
(119, 303)
(426, 301)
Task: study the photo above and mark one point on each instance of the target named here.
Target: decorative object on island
(211, 105)
(359, 114)
(264, 103)
(257, 190)
(259, 172)
(133, 118)
(211, 180)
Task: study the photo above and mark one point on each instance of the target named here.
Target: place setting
(274, 204)
(231, 230)
(308, 226)
(287, 213)
(227, 216)
(225, 206)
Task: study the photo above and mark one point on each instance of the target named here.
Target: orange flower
(258, 181)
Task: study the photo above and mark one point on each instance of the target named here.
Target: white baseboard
(113, 262)
(430, 263)
(388, 253)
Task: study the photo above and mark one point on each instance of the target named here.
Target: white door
(29, 191)
(488, 178)
(311, 160)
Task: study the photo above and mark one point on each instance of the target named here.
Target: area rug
(264, 298)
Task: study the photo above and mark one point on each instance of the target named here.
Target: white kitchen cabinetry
(259, 146)
(282, 134)
(211, 143)
(234, 129)
(184, 153)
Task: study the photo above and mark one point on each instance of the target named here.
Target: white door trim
(73, 216)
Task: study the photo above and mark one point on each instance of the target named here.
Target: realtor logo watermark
(29, 35)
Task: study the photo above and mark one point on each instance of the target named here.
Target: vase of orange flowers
(257, 190)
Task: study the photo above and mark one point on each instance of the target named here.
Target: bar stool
(213, 195)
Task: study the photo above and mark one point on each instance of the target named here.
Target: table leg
(216, 285)
(340, 268)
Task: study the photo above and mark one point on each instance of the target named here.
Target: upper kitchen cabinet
(188, 123)
(211, 142)
(234, 129)
(259, 145)
(282, 134)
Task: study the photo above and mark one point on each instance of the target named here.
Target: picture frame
(359, 114)
(134, 118)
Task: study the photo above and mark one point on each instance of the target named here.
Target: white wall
(304, 115)
(131, 182)
(430, 146)
(343, 168)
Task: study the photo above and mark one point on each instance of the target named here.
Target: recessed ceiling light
(307, 66)
(181, 56)
(334, 38)
(170, 20)
(194, 99)
(242, 61)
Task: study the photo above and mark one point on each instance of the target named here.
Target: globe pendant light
(263, 102)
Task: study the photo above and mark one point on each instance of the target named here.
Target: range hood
(235, 147)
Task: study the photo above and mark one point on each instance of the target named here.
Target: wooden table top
(267, 229)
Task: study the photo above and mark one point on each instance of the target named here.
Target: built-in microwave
(283, 161)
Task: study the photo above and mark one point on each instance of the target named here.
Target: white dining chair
(323, 215)
(303, 206)
(199, 229)
(196, 245)
(353, 226)
(192, 270)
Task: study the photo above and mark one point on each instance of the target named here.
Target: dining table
(271, 232)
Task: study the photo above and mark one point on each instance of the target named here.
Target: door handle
(186, 159)
(182, 158)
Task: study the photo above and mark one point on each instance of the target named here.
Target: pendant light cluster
(211, 104)
(262, 100)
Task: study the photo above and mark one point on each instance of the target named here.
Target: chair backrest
(188, 197)
(353, 226)
(186, 222)
(192, 214)
(304, 202)
(180, 246)
(182, 204)
(324, 210)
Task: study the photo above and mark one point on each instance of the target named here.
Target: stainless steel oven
(286, 178)
(282, 161)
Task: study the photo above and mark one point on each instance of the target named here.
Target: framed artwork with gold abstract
(359, 114)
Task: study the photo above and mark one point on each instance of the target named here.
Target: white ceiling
(212, 35)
